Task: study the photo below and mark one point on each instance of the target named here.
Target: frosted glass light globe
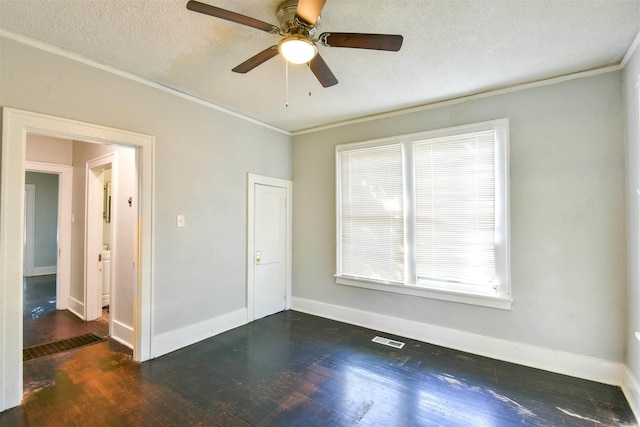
(297, 50)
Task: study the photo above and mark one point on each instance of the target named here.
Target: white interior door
(270, 235)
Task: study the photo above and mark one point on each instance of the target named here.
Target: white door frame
(15, 127)
(252, 180)
(65, 189)
(93, 233)
(29, 222)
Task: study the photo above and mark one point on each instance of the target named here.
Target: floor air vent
(43, 350)
(387, 341)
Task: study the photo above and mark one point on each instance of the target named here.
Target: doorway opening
(46, 257)
(17, 124)
(44, 224)
(90, 205)
(101, 220)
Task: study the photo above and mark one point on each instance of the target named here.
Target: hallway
(43, 323)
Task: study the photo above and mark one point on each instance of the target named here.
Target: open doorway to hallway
(76, 308)
(16, 125)
(43, 323)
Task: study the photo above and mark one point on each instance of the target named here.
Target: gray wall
(567, 200)
(45, 227)
(632, 104)
(202, 157)
(568, 245)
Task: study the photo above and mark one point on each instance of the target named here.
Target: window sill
(500, 302)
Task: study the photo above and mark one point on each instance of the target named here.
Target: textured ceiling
(451, 48)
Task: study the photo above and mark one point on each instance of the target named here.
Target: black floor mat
(43, 350)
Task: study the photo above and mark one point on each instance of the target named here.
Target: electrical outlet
(180, 220)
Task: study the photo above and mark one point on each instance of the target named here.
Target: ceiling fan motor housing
(286, 13)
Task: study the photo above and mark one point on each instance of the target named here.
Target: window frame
(500, 297)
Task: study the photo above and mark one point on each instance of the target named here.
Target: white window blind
(372, 213)
(427, 214)
(455, 209)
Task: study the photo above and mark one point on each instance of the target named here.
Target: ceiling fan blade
(322, 72)
(256, 60)
(390, 42)
(308, 11)
(196, 6)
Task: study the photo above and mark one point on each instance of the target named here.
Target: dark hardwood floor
(300, 370)
(42, 323)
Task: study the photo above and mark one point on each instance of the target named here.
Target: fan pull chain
(309, 76)
(286, 85)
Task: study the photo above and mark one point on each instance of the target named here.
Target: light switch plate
(180, 220)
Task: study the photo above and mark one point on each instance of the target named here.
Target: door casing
(29, 222)
(65, 189)
(93, 234)
(16, 125)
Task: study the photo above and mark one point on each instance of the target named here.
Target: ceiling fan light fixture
(297, 49)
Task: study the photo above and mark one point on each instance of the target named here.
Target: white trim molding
(561, 362)
(83, 60)
(93, 233)
(43, 271)
(182, 337)
(462, 99)
(503, 303)
(29, 218)
(65, 190)
(631, 50)
(16, 125)
(492, 289)
(631, 390)
(76, 307)
(122, 333)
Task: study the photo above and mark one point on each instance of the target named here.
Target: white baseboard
(122, 333)
(575, 365)
(179, 338)
(43, 271)
(76, 307)
(631, 390)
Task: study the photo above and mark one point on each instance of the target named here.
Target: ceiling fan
(298, 27)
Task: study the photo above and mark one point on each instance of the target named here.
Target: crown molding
(631, 51)
(467, 98)
(86, 61)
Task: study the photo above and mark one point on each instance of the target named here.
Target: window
(427, 214)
